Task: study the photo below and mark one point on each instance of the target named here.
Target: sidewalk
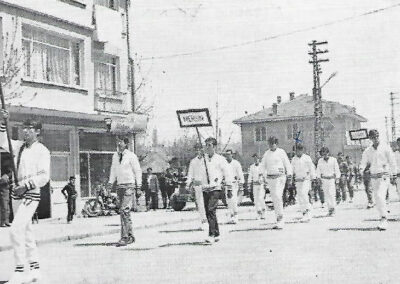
(57, 230)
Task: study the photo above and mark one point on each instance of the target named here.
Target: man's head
(398, 143)
(373, 135)
(324, 152)
(348, 158)
(340, 156)
(122, 143)
(31, 130)
(299, 150)
(72, 180)
(229, 155)
(272, 143)
(199, 149)
(256, 159)
(149, 170)
(211, 145)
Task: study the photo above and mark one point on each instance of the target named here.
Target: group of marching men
(209, 173)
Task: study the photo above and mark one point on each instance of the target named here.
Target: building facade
(67, 64)
(293, 121)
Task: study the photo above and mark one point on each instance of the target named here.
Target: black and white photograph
(199, 141)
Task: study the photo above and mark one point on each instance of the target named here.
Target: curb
(111, 231)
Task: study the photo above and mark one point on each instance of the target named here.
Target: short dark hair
(373, 133)
(255, 155)
(124, 138)
(149, 169)
(272, 140)
(197, 146)
(72, 178)
(299, 147)
(229, 151)
(32, 124)
(340, 154)
(212, 140)
(324, 150)
(398, 139)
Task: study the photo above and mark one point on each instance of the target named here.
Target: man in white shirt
(328, 175)
(277, 168)
(256, 181)
(126, 174)
(304, 172)
(237, 185)
(32, 160)
(383, 172)
(193, 180)
(210, 176)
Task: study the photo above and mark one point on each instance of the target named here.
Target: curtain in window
(57, 65)
(39, 62)
(103, 77)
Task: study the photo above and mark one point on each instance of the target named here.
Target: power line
(375, 11)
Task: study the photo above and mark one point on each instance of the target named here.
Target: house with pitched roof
(294, 119)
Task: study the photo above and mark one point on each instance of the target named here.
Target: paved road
(346, 248)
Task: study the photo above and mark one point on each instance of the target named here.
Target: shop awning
(133, 122)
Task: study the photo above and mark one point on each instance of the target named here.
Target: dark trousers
(368, 190)
(350, 187)
(341, 189)
(151, 200)
(317, 193)
(164, 195)
(71, 203)
(210, 204)
(125, 195)
(4, 206)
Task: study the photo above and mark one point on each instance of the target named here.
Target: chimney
(274, 108)
(278, 99)
(291, 96)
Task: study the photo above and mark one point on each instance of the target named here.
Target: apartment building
(66, 63)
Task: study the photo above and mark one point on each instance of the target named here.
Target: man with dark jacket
(153, 187)
(5, 200)
(70, 194)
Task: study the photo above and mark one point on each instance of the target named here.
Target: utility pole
(392, 103)
(387, 129)
(217, 119)
(318, 129)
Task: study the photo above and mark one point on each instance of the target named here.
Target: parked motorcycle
(105, 203)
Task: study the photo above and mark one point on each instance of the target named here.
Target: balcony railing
(110, 101)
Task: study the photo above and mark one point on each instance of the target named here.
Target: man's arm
(113, 176)
(136, 170)
(64, 190)
(311, 167)
(286, 163)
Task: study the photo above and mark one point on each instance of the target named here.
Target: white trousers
(233, 201)
(329, 188)
(259, 197)
(303, 187)
(380, 187)
(276, 187)
(21, 233)
(198, 191)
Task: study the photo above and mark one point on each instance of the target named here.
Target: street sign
(194, 117)
(358, 134)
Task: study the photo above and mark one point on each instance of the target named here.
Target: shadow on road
(354, 229)
(95, 245)
(112, 225)
(247, 219)
(185, 244)
(181, 231)
(320, 216)
(253, 229)
(377, 220)
(2, 282)
(138, 249)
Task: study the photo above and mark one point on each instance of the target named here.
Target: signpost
(196, 118)
(358, 135)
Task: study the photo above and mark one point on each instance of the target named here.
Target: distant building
(295, 119)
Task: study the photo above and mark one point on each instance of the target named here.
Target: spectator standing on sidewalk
(153, 187)
(383, 172)
(256, 182)
(304, 173)
(70, 195)
(350, 178)
(127, 174)
(328, 174)
(277, 168)
(32, 160)
(195, 175)
(341, 189)
(237, 185)
(5, 198)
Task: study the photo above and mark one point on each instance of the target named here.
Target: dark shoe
(2, 225)
(131, 240)
(7, 225)
(122, 243)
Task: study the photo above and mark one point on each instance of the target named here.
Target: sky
(243, 54)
